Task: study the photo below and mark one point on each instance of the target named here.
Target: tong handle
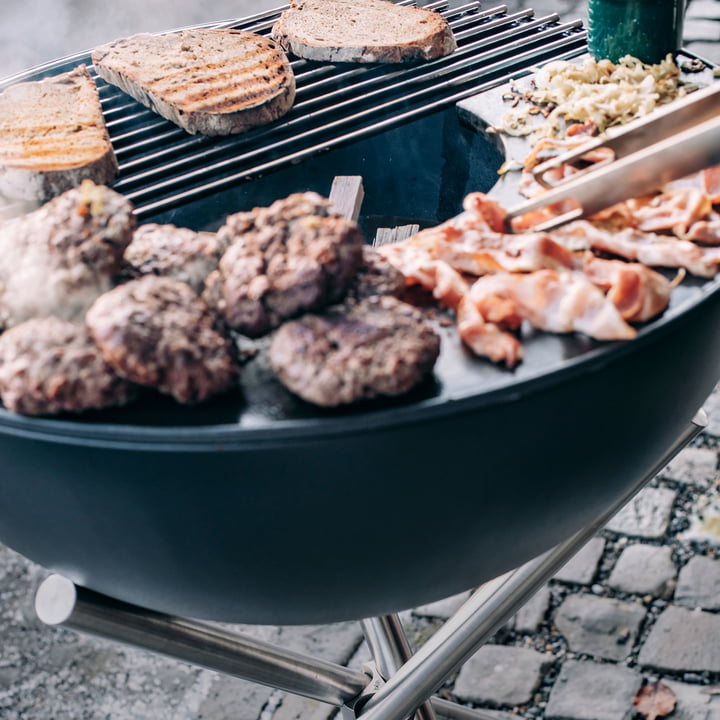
(668, 120)
(636, 174)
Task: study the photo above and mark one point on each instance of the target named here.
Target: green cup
(645, 29)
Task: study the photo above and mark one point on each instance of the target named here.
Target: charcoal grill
(246, 509)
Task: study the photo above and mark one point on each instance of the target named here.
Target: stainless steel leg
(60, 602)
(390, 649)
(487, 609)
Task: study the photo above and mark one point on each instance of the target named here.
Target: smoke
(37, 31)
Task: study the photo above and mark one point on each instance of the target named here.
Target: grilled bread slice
(362, 31)
(213, 82)
(52, 137)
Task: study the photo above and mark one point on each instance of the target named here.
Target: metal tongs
(677, 140)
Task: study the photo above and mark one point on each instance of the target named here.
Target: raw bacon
(675, 210)
(638, 292)
(482, 255)
(486, 339)
(420, 268)
(557, 301)
(651, 249)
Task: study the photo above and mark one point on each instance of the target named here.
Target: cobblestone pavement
(640, 602)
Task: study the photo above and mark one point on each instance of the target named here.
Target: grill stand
(393, 687)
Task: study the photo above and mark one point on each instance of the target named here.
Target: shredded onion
(598, 91)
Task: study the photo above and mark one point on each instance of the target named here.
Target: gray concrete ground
(640, 603)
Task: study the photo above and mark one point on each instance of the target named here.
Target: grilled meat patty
(157, 332)
(209, 81)
(175, 252)
(293, 256)
(375, 276)
(379, 347)
(56, 260)
(49, 365)
(53, 136)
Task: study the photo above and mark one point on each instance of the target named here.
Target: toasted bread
(52, 137)
(362, 31)
(213, 82)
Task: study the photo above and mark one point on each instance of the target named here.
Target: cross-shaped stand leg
(400, 684)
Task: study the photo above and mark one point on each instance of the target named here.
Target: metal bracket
(352, 709)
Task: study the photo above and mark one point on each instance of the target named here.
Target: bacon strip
(470, 243)
(711, 183)
(557, 301)
(485, 209)
(674, 210)
(419, 268)
(638, 292)
(705, 232)
(483, 255)
(486, 339)
(648, 248)
(707, 180)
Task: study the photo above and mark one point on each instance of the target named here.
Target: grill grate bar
(329, 104)
(497, 73)
(132, 133)
(163, 167)
(324, 92)
(463, 15)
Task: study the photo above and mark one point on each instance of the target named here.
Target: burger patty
(173, 251)
(156, 331)
(375, 276)
(50, 365)
(378, 347)
(293, 256)
(57, 259)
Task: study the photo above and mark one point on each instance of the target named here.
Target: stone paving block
(581, 568)
(335, 642)
(442, 609)
(598, 626)
(531, 615)
(693, 466)
(495, 714)
(229, 697)
(694, 702)
(699, 584)
(647, 515)
(294, 707)
(587, 690)
(705, 519)
(683, 641)
(644, 570)
(501, 675)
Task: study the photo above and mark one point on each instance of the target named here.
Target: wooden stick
(385, 236)
(347, 195)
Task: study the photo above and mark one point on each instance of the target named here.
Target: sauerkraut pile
(597, 91)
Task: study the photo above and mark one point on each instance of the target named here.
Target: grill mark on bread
(216, 82)
(50, 154)
(53, 136)
(371, 31)
(219, 92)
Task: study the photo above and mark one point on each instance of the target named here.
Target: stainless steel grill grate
(162, 167)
